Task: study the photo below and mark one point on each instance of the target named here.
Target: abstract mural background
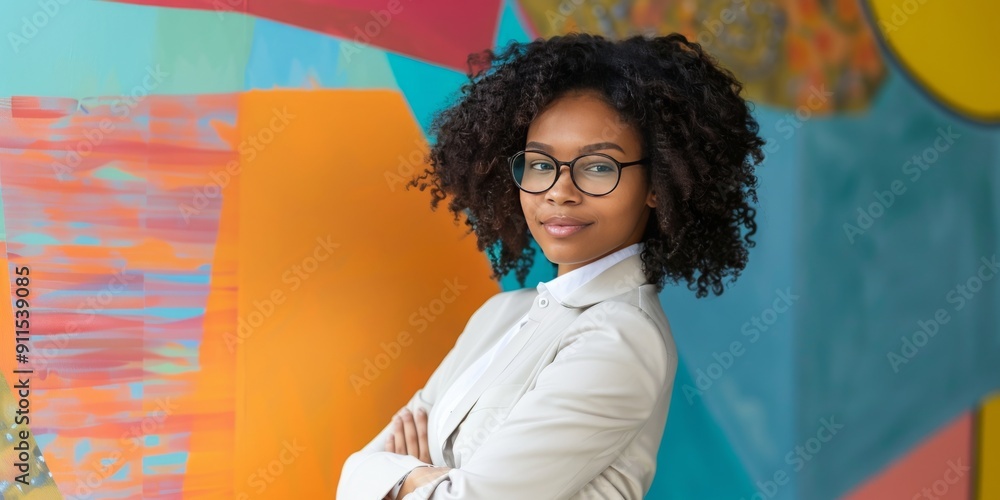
(203, 215)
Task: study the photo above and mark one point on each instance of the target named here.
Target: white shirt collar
(562, 286)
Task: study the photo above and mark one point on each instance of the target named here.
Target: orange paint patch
(328, 262)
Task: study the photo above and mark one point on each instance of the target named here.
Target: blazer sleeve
(586, 407)
(371, 473)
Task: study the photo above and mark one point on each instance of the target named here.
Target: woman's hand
(409, 435)
(419, 477)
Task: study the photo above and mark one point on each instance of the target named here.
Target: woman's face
(572, 125)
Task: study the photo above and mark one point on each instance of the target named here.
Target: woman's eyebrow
(583, 149)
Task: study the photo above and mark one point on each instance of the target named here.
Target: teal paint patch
(867, 293)
(35, 239)
(86, 240)
(739, 346)
(114, 174)
(695, 459)
(511, 26)
(284, 56)
(107, 48)
(427, 87)
(203, 52)
(177, 461)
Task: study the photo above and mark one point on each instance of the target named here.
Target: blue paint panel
(695, 460)
(427, 87)
(289, 57)
(70, 54)
(86, 49)
(748, 387)
(865, 292)
(511, 25)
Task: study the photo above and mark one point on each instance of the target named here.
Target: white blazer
(574, 407)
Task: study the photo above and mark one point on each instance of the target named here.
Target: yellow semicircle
(949, 48)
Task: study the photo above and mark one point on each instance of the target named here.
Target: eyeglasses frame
(571, 163)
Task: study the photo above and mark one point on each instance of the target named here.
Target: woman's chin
(562, 256)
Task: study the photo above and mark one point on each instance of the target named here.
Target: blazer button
(542, 302)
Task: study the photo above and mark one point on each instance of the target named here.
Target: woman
(630, 163)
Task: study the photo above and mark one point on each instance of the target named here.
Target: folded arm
(586, 407)
(371, 473)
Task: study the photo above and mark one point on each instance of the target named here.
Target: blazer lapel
(534, 328)
(622, 277)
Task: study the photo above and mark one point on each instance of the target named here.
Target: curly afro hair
(699, 133)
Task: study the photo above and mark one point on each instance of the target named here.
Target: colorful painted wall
(219, 287)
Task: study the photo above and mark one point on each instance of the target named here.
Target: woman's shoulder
(638, 309)
(641, 299)
(629, 329)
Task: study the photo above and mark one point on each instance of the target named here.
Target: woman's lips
(562, 231)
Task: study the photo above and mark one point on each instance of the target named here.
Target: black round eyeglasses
(594, 174)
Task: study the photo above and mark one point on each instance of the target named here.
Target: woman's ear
(651, 198)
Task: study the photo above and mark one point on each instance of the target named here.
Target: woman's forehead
(580, 130)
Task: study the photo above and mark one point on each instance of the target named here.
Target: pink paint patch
(439, 31)
(941, 467)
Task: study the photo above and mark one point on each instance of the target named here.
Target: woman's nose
(563, 190)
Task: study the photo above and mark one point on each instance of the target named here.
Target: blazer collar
(615, 280)
(622, 277)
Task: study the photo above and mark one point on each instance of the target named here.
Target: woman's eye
(600, 168)
(541, 166)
